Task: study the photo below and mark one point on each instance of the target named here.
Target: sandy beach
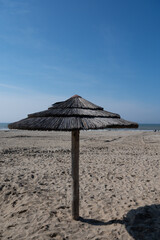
(119, 185)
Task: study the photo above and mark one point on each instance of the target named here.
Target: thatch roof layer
(70, 123)
(70, 112)
(74, 113)
(76, 102)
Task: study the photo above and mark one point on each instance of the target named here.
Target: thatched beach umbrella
(74, 114)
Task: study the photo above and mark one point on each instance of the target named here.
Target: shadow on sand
(142, 223)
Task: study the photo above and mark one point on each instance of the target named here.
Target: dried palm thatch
(75, 113)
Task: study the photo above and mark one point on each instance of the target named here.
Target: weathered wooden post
(75, 174)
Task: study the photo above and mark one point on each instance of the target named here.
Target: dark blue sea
(148, 127)
(3, 126)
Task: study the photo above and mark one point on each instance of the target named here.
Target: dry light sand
(119, 186)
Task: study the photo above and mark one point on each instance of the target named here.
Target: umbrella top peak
(76, 96)
(76, 102)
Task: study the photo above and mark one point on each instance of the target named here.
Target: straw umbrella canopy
(74, 114)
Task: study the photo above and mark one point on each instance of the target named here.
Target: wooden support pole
(75, 174)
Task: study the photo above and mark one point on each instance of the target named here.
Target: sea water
(4, 126)
(149, 127)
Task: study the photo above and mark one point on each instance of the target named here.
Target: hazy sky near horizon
(107, 51)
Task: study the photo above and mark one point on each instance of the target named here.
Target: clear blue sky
(107, 51)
